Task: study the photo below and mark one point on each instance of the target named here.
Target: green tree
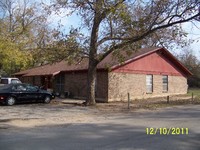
(118, 24)
(23, 30)
(60, 48)
(20, 19)
(12, 58)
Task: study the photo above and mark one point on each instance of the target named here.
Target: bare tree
(22, 21)
(188, 58)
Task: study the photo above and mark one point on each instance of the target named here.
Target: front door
(60, 83)
(46, 82)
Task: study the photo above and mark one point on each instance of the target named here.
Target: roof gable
(154, 63)
(113, 61)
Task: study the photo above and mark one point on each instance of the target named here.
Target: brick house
(148, 72)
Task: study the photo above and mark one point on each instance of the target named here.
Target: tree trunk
(91, 83)
(92, 68)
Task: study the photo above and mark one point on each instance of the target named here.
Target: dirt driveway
(31, 115)
(55, 113)
(70, 111)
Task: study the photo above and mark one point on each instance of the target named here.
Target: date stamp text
(167, 131)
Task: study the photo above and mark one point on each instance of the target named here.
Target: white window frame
(165, 83)
(149, 83)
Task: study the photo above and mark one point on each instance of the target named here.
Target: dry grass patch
(150, 104)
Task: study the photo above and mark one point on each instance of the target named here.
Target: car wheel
(10, 101)
(47, 99)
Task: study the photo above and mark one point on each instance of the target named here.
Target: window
(4, 81)
(15, 81)
(165, 83)
(19, 88)
(149, 83)
(30, 88)
(60, 83)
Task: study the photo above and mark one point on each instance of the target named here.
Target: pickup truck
(4, 81)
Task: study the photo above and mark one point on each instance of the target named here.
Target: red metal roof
(110, 61)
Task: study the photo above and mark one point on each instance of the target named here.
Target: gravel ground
(62, 111)
(27, 115)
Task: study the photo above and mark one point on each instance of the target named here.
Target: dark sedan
(14, 93)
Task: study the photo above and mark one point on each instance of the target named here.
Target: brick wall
(76, 84)
(26, 79)
(178, 85)
(102, 86)
(122, 83)
(35, 80)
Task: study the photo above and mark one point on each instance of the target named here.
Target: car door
(33, 92)
(19, 90)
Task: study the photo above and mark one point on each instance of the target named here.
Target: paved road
(123, 131)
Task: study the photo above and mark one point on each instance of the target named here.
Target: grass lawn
(177, 101)
(195, 91)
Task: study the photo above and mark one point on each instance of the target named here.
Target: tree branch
(138, 38)
(90, 4)
(106, 11)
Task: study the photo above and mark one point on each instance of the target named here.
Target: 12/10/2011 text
(167, 131)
